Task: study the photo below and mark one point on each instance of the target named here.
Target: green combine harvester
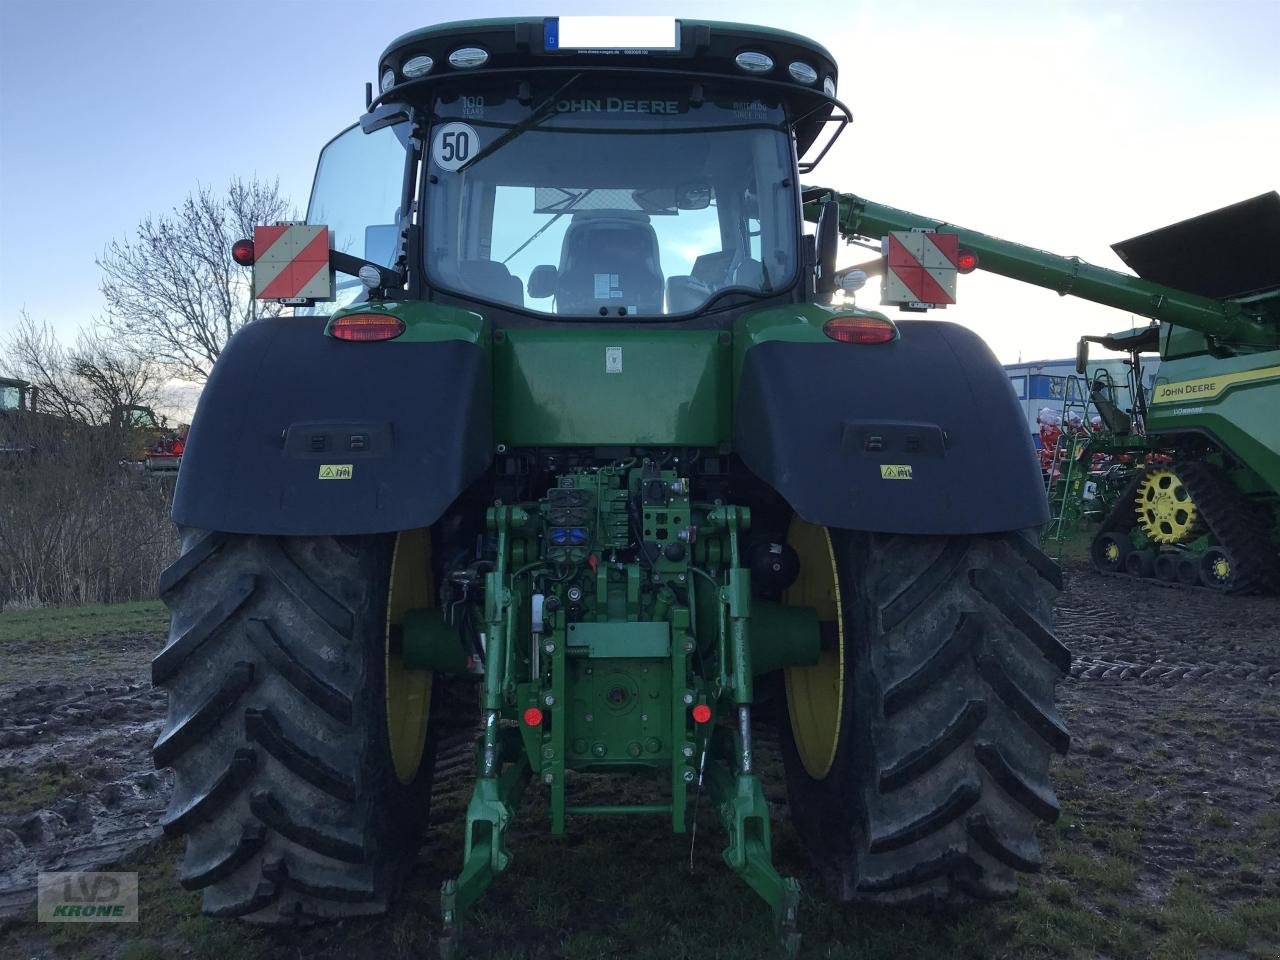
(1203, 507)
(572, 421)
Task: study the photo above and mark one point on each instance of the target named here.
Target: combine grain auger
(584, 431)
(1204, 510)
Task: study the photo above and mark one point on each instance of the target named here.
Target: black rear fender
(297, 433)
(919, 436)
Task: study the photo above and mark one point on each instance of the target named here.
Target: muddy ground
(1169, 844)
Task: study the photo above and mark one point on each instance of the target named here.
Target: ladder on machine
(1069, 470)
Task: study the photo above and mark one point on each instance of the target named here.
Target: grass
(23, 790)
(1075, 547)
(89, 622)
(580, 898)
(36, 646)
(169, 923)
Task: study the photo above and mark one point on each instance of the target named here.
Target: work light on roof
(416, 67)
(388, 80)
(802, 72)
(829, 86)
(753, 61)
(465, 58)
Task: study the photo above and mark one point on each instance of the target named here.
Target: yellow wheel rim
(408, 691)
(1221, 568)
(1165, 508)
(1113, 552)
(815, 695)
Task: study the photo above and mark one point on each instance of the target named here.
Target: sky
(1064, 125)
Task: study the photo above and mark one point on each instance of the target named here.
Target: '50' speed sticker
(453, 145)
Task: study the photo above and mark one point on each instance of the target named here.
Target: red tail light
(967, 261)
(701, 713)
(365, 327)
(533, 717)
(860, 329)
(242, 252)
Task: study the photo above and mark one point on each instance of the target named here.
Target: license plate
(611, 33)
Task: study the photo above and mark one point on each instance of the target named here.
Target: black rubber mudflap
(283, 781)
(941, 772)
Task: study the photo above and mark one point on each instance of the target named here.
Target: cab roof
(701, 50)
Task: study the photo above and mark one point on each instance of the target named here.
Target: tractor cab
(543, 169)
(17, 400)
(135, 417)
(16, 395)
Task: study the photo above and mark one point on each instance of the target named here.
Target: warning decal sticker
(335, 471)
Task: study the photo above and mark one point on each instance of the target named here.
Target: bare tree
(86, 383)
(173, 292)
(77, 523)
(112, 377)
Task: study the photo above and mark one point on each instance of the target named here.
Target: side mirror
(542, 281)
(384, 115)
(827, 240)
(1082, 356)
(381, 243)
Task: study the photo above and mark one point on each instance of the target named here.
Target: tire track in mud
(1173, 701)
(1097, 668)
(1180, 714)
(77, 789)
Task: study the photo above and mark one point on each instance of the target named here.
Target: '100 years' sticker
(453, 145)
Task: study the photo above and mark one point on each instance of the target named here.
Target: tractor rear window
(609, 203)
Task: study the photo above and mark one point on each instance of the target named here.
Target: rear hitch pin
(702, 769)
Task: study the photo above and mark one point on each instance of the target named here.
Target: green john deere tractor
(568, 419)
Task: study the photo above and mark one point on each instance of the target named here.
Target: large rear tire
(934, 775)
(285, 783)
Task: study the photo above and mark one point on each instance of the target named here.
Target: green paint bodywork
(429, 643)
(554, 385)
(783, 636)
(1243, 417)
(611, 639)
(599, 385)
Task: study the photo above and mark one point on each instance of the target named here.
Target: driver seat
(609, 259)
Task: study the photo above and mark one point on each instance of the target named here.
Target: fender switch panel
(307, 441)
